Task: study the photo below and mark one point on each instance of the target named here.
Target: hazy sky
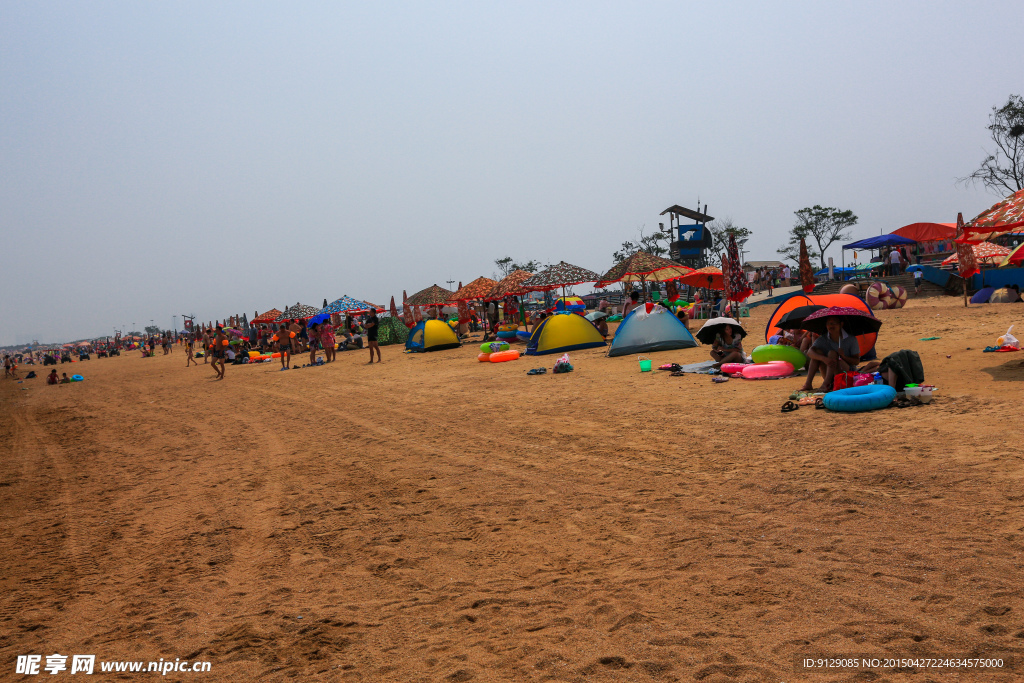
(219, 158)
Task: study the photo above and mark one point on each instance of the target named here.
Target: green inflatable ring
(494, 347)
(770, 352)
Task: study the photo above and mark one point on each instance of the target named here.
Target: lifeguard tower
(693, 239)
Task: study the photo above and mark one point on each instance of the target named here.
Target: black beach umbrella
(793, 320)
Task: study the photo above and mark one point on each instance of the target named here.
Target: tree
(656, 243)
(152, 329)
(506, 266)
(720, 229)
(1002, 171)
(823, 225)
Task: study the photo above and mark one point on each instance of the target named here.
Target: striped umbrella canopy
(561, 274)
(735, 280)
(644, 267)
(477, 289)
(855, 321)
(984, 252)
(297, 312)
(268, 317)
(431, 296)
(510, 285)
(709, 277)
(999, 219)
(345, 304)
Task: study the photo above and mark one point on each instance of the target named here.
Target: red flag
(407, 315)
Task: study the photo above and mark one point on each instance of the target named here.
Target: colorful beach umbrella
(510, 285)
(709, 278)
(643, 266)
(999, 219)
(984, 252)
(477, 289)
(570, 303)
(297, 312)
(268, 317)
(347, 304)
(855, 322)
(1015, 257)
(806, 272)
(561, 274)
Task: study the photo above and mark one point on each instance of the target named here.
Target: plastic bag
(1008, 340)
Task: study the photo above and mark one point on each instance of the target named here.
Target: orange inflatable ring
(275, 338)
(291, 335)
(484, 357)
(502, 356)
(275, 355)
(224, 343)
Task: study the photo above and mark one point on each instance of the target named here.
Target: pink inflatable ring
(770, 370)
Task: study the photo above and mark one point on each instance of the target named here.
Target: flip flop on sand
(789, 407)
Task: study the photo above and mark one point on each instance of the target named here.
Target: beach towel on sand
(907, 366)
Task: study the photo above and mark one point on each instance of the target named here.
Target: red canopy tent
(927, 232)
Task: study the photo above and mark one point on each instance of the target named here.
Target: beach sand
(433, 518)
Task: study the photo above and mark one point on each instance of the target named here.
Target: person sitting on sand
(52, 377)
(684, 316)
(64, 379)
(830, 353)
(727, 347)
(631, 303)
(602, 326)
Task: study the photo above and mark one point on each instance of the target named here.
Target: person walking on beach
(219, 351)
(295, 330)
(314, 336)
(371, 334)
(189, 357)
(284, 346)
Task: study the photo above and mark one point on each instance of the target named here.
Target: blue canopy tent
(889, 240)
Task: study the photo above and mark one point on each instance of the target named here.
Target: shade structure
(297, 312)
(879, 241)
(643, 267)
(431, 296)
(706, 334)
(795, 318)
(855, 321)
(984, 252)
(477, 289)
(927, 232)
(1015, 257)
(709, 278)
(650, 328)
(347, 304)
(510, 285)
(563, 332)
(865, 341)
(561, 274)
(999, 219)
(431, 335)
(268, 317)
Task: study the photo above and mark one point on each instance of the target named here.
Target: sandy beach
(433, 518)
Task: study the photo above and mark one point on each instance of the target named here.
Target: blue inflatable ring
(76, 378)
(506, 335)
(860, 399)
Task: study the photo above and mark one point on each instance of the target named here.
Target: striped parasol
(297, 312)
(999, 219)
(268, 317)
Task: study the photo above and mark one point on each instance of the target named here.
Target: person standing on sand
(188, 356)
(284, 346)
(314, 336)
(295, 331)
(219, 350)
(328, 341)
(371, 334)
